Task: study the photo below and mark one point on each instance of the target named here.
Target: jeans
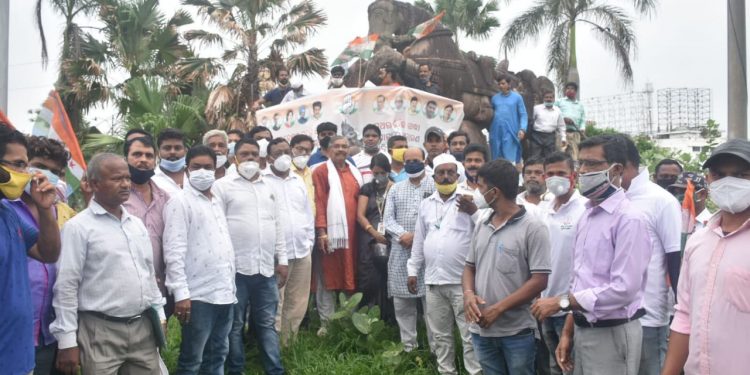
(261, 294)
(552, 330)
(205, 342)
(654, 350)
(510, 355)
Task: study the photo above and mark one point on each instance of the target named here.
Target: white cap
(444, 159)
(296, 84)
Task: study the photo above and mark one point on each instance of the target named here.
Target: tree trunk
(249, 86)
(572, 75)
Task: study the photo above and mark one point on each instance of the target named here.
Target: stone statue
(463, 76)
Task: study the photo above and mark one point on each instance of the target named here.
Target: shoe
(322, 331)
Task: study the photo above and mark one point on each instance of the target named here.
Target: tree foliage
(473, 18)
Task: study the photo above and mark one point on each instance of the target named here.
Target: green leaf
(353, 302)
(374, 312)
(361, 322)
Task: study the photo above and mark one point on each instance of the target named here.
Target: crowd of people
(572, 262)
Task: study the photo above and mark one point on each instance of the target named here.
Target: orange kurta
(338, 268)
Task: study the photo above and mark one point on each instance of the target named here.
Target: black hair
(246, 140)
(200, 150)
(9, 135)
(381, 161)
(138, 131)
(236, 131)
(281, 69)
(559, 156)
(258, 129)
(326, 126)
(414, 99)
(631, 151)
(615, 149)
(448, 106)
(393, 69)
(299, 138)
(428, 65)
(459, 133)
(328, 141)
(667, 162)
(501, 174)
(506, 78)
(317, 104)
(532, 161)
(477, 147)
(432, 102)
(274, 142)
(170, 133)
(571, 84)
(47, 148)
(395, 138)
(372, 127)
(147, 141)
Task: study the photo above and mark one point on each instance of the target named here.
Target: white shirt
(441, 241)
(106, 265)
(197, 249)
(664, 217)
(702, 219)
(362, 162)
(166, 183)
(562, 226)
(549, 120)
(291, 95)
(255, 224)
(534, 209)
(299, 223)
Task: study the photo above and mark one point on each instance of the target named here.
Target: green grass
(342, 352)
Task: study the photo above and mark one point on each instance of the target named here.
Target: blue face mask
(51, 177)
(172, 166)
(413, 166)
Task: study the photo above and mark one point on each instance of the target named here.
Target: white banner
(395, 110)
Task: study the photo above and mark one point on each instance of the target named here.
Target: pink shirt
(713, 300)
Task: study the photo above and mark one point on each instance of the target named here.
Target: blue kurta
(510, 117)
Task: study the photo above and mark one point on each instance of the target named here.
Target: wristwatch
(564, 303)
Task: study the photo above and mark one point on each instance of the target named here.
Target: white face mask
(248, 169)
(220, 161)
(202, 179)
(282, 163)
(263, 148)
(558, 185)
(337, 82)
(301, 161)
(731, 194)
(479, 199)
(594, 184)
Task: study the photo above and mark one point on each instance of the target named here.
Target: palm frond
(232, 54)
(645, 7)
(39, 25)
(204, 38)
(424, 4)
(95, 143)
(198, 69)
(309, 63)
(613, 27)
(558, 52)
(180, 18)
(528, 25)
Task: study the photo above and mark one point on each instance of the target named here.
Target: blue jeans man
(509, 355)
(205, 339)
(261, 295)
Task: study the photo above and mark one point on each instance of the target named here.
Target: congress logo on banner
(395, 110)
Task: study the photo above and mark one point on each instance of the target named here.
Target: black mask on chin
(665, 182)
(140, 176)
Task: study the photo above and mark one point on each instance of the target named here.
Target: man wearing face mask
(712, 315)
(297, 92)
(337, 77)
(536, 190)
(664, 219)
(302, 146)
(441, 240)
(397, 145)
(274, 97)
(147, 202)
(218, 141)
(700, 194)
(170, 175)
(666, 172)
(263, 136)
(19, 241)
(324, 130)
(506, 267)
(574, 117)
(610, 263)
(400, 218)
(434, 144)
(475, 155)
(561, 215)
(299, 234)
(255, 225)
(371, 139)
(548, 120)
(200, 267)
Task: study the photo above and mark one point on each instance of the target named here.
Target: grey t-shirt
(504, 259)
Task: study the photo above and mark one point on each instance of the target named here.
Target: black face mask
(459, 155)
(665, 182)
(140, 176)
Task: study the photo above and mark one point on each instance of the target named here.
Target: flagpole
(4, 56)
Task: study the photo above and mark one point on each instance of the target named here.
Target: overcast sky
(682, 45)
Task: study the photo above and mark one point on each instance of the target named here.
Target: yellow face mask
(446, 189)
(13, 188)
(398, 154)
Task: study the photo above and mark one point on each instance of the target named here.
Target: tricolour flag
(5, 119)
(360, 47)
(688, 214)
(426, 27)
(53, 122)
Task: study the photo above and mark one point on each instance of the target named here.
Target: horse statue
(463, 76)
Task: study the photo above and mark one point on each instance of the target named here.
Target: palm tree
(611, 24)
(276, 28)
(81, 80)
(473, 18)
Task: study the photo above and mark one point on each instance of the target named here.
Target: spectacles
(19, 165)
(590, 163)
